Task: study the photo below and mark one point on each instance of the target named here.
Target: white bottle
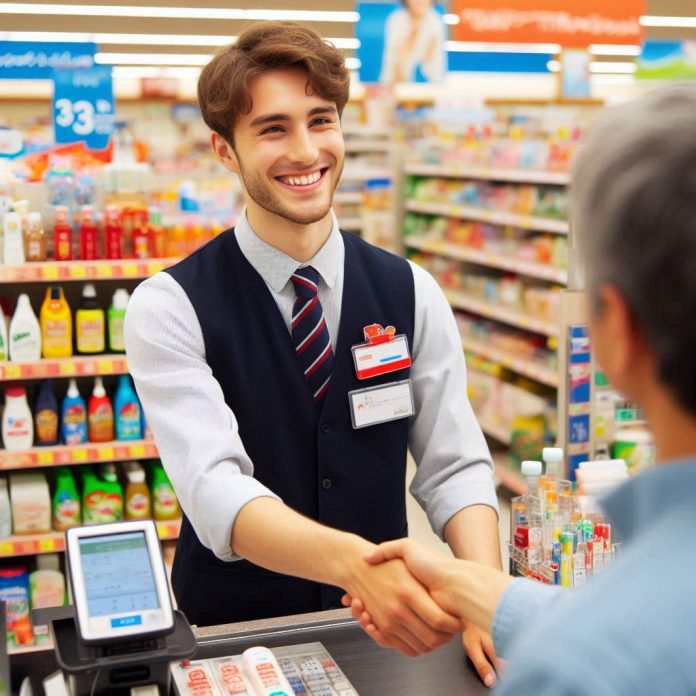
(17, 423)
(4, 348)
(553, 458)
(5, 511)
(13, 240)
(25, 332)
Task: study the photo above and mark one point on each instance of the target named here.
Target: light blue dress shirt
(631, 629)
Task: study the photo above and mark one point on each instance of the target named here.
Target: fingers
(386, 552)
(472, 640)
(489, 650)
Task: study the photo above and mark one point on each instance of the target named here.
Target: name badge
(383, 352)
(381, 404)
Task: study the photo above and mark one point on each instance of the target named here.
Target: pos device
(124, 632)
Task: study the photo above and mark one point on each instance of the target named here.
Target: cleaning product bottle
(17, 423)
(116, 315)
(25, 332)
(5, 510)
(13, 240)
(62, 234)
(74, 412)
(165, 506)
(35, 238)
(46, 589)
(127, 411)
(56, 324)
(89, 323)
(102, 496)
(113, 232)
(100, 414)
(138, 505)
(88, 234)
(66, 501)
(46, 415)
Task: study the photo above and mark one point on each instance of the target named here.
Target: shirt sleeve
(196, 432)
(454, 467)
(522, 603)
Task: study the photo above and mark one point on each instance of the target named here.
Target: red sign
(570, 23)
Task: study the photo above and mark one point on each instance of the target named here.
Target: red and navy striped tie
(310, 335)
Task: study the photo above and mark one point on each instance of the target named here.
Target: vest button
(325, 428)
(326, 484)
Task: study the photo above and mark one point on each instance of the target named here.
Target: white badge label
(372, 359)
(381, 404)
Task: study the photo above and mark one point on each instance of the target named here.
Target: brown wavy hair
(223, 87)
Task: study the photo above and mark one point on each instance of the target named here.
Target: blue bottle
(46, 415)
(73, 417)
(127, 411)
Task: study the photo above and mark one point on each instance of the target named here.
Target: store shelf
(348, 197)
(78, 366)
(511, 478)
(356, 174)
(83, 270)
(524, 176)
(53, 542)
(486, 258)
(494, 217)
(89, 453)
(495, 431)
(500, 313)
(351, 224)
(528, 368)
(369, 146)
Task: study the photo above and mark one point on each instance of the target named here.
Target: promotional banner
(571, 23)
(667, 60)
(83, 106)
(26, 60)
(402, 42)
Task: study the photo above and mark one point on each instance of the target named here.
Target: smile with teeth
(303, 180)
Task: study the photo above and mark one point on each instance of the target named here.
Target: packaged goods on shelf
(31, 503)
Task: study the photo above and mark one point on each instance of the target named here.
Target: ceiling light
(175, 12)
(614, 50)
(475, 46)
(152, 59)
(660, 21)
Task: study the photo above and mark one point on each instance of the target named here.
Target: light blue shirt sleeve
(522, 604)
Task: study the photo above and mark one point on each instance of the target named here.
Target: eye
(321, 121)
(271, 130)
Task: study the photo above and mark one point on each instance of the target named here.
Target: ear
(224, 153)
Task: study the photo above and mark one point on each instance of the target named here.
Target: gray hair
(633, 210)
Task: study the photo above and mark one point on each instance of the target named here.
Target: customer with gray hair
(629, 631)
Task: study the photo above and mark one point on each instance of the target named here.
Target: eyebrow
(261, 120)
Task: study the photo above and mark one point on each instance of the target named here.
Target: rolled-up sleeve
(196, 432)
(454, 467)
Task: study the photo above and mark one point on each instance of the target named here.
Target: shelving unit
(518, 176)
(77, 366)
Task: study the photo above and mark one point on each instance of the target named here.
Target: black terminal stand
(115, 668)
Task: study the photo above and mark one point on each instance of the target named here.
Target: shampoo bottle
(74, 416)
(46, 415)
(100, 414)
(17, 424)
(89, 323)
(127, 411)
(56, 324)
(13, 240)
(25, 332)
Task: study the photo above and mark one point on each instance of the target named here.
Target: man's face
(289, 148)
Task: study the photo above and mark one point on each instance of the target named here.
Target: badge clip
(384, 351)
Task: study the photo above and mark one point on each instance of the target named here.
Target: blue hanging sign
(27, 60)
(83, 106)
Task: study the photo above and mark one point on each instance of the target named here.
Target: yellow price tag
(13, 372)
(67, 368)
(78, 272)
(106, 454)
(44, 458)
(47, 545)
(105, 367)
(130, 270)
(50, 273)
(105, 271)
(6, 549)
(79, 455)
(137, 451)
(154, 268)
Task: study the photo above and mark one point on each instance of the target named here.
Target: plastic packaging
(17, 423)
(88, 234)
(25, 332)
(35, 238)
(89, 323)
(74, 416)
(62, 234)
(66, 501)
(100, 414)
(165, 506)
(14, 591)
(127, 411)
(46, 415)
(553, 459)
(138, 504)
(102, 497)
(55, 320)
(13, 240)
(5, 510)
(31, 503)
(46, 589)
(116, 315)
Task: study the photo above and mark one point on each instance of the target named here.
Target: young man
(244, 371)
(630, 630)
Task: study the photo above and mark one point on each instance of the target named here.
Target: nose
(303, 150)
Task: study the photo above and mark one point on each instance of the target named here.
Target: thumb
(385, 552)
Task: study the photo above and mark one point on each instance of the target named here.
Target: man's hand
(479, 647)
(405, 616)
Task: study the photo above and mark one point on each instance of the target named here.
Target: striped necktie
(310, 336)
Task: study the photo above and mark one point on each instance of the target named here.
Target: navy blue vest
(308, 454)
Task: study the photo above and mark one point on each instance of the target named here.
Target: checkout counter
(372, 670)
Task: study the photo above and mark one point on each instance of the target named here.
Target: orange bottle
(100, 415)
(138, 501)
(62, 235)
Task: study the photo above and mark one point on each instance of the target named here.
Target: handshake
(409, 597)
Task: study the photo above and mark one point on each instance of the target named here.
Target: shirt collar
(276, 268)
(641, 501)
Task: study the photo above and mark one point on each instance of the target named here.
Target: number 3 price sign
(83, 106)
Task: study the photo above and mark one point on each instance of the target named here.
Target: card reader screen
(118, 577)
